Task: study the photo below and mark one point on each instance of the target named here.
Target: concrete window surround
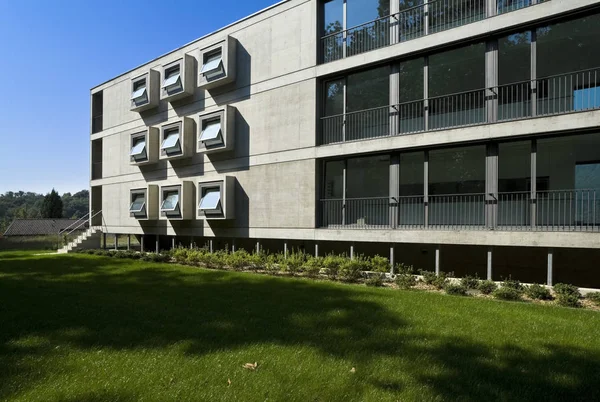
(177, 79)
(217, 64)
(150, 151)
(144, 91)
(225, 208)
(224, 141)
(183, 147)
(150, 209)
(182, 200)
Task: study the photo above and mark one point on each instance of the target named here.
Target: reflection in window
(138, 204)
(211, 201)
(170, 202)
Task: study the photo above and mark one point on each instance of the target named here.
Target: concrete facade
(276, 158)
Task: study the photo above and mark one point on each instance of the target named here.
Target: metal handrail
(74, 223)
(83, 223)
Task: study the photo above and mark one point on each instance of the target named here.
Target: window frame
(177, 211)
(224, 142)
(142, 213)
(225, 71)
(183, 86)
(165, 132)
(134, 138)
(225, 210)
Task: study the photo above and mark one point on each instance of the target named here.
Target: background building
(460, 135)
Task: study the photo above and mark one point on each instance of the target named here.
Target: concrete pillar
(173, 242)
(426, 18)
(550, 282)
(316, 249)
(192, 243)
(257, 246)
(142, 243)
(157, 244)
(285, 249)
(104, 241)
(210, 245)
(437, 260)
(116, 241)
(489, 264)
(352, 251)
(233, 245)
(392, 260)
(128, 242)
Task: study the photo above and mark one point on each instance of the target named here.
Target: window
(97, 110)
(211, 201)
(138, 149)
(213, 65)
(211, 133)
(140, 92)
(171, 143)
(170, 201)
(138, 204)
(172, 82)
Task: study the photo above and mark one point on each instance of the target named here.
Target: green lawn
(86, 328)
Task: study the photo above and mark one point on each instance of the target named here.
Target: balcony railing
(411, 23)
(556, 210)
(559, 94)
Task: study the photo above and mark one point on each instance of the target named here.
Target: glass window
(334, 179)
(412, 173)
(514, 167)
(139, 91)
(212, 130)
(368, 89)
(334, 97)
(139, 147)
(568, 46)
(368, 177)
(212, 62)
(170, 202)
(138, 204)
(514, 58)
(362, 11)
(211, 201)
(411, 80)
(457, 170)
(172, 77)
(171, 141)
(457, 70)
(333, 11)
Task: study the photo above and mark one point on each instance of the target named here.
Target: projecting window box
(217, 64)
(144, 91)
(143, 203)
(144, 147)
(177, 201)
(216, 199)
(215, 131)
(176, 139)
(177, 79)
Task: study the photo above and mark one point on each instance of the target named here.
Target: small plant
(405, 278)
(181, 254)
(312, 266)
(538, 292)
(594, 297)
(404, 269)
(379, 264)
(351, 270)
(513, 284)
(429, 277)
(375, 281)
(272, 264)
(487, 287)
(237, 260)
(567, 295)
(441, 280)
(455, 289)
(470, 282)
(507, 293)
(332, 264)
(293, 263)
(257, 261)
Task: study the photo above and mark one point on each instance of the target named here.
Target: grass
(87, 328)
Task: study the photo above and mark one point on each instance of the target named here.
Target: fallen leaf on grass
(229, 382)
(250, 366)
(353, 370)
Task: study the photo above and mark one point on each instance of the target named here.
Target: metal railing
(411, 23)
(77, 226)
(559, 94)
(555, 210)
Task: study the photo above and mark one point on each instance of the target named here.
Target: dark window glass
(457, 70)
(368, 89)
(411, 80)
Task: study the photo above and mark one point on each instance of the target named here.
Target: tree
(52, 207)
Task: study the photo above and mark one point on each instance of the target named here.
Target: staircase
(90, 239)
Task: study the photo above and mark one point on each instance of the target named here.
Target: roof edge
(194, 41)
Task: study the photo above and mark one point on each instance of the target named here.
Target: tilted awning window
(170, 202)
(211, 202)
(138, 204)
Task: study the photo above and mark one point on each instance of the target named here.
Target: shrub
(470, 282)
(429, 277)
(180, 255)
(257, 261)
(594, 297)
(441, 280)
(350, 270)
(293, 263)
(312, 266)
(507, 293)
(567, 295)
(538, 292)
(379, 264)
(375, 281)
(272, 264)
(146, 257)
(237, 260)
(194, 257)
(332, 264)
(513, 284)
(455, 289)
(487, 287)
(120, 254)
(405, 280)
(404, 269)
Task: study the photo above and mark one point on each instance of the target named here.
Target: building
(408, 128)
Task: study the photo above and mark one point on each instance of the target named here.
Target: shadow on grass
(90, 302)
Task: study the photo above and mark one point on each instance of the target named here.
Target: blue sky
(54, 52)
